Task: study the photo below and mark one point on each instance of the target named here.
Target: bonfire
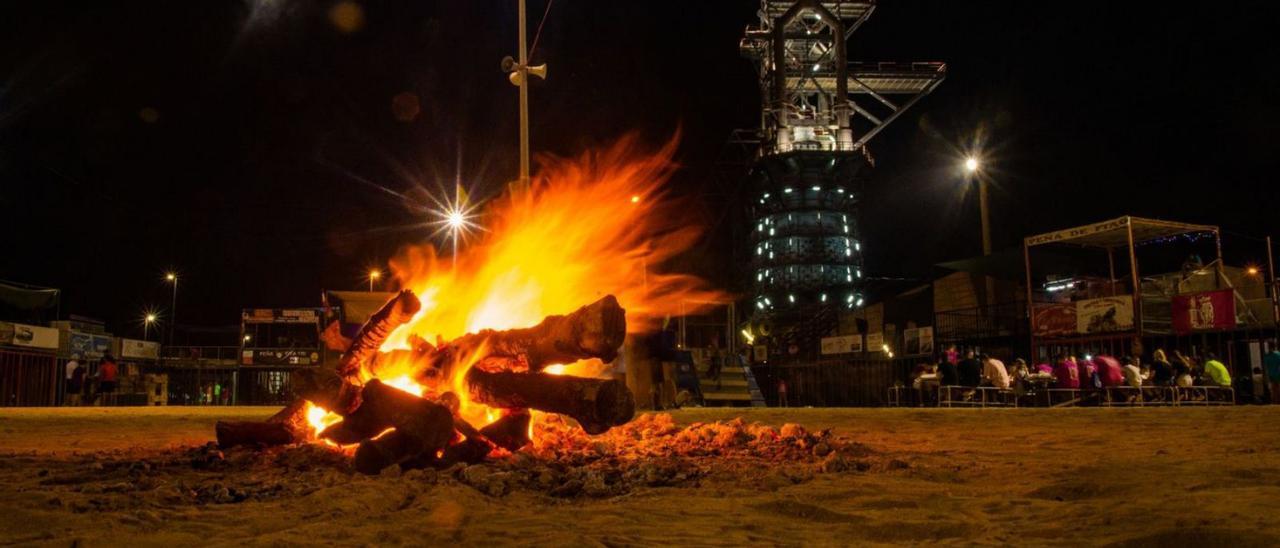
(502, 356)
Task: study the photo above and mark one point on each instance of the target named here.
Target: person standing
(107, 373)
(73, 387)
(715, 362)
(1271, 363)
(782, 393)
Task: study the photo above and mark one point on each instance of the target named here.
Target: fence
(833, 383)
(28, 378)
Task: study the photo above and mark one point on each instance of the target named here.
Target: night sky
(243, 142)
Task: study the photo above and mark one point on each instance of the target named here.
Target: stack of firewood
(393, 427)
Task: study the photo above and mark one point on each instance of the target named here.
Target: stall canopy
(1115, 232)
(356, 306)
(26, 297)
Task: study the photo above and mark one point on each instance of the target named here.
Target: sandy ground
(1141, 477)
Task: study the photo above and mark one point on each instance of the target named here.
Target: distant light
(839, 190)
(635, 199)
(824, 297)
(246, 338)
(171, 276)
(1252, 271)
(786, 190)
(760, 305)
(791, 298)
(859, 302)
(766, 195)
(746, 333)
(1088, 357)
(816, 66)
(816, 188)
(456, 219)
(151, 318)
(374, 274)
(971, 164)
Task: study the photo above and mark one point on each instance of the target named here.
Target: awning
(28, 297)
(1115, 233)
(1009, 264)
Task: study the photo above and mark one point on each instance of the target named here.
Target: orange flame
(586, 228)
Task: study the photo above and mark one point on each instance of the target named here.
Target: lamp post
(147, 320)
(172, 277)
(972, 166)
(373, 277)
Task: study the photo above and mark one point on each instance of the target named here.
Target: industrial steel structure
(818, 112)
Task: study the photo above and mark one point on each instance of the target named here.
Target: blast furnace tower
(818, 112)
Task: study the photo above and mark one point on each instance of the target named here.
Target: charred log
(596, 404)
(420, 426)
(327, 389)
(398, 311)
(287, 426)
(593, 331)
(510, 432)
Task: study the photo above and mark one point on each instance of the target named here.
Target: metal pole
(173, 311)
(1137, 281)
(1271, 271)
(986, 242)
(1031, 324)
(524, 105)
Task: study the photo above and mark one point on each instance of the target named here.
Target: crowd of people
(1087, 372)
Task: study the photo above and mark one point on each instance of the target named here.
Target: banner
(1204, 311)
(842, 345)
(280, 315)
(1077, 232)
(926, 340)
(1104, 315)
(875, 342)
(31, 336)
(146, 350)
(279, 357)
(1054, 320)
(88, 346)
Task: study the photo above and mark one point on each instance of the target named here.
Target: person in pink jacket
(1109, 371)
(1065, 372)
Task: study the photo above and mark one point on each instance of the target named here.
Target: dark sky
(240, 141)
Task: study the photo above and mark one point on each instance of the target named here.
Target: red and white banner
(1054, 320)
(1204, 311)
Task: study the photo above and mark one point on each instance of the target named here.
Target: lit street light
(972, 166)
(172, 277)
(373, 277)
(147, 320)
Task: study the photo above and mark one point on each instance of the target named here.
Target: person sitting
(1161, 369)
(1109, 371)
(948, 375)
(994, 372)
(1132, 373)
(1182, 368)
(970, 370)
(1065, 372)
(1215, 373)
(1088, 372)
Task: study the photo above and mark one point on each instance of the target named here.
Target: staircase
(737, 387)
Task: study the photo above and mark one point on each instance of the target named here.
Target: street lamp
(172, 277)
(973, 167)
(373, 277)
(147, 320)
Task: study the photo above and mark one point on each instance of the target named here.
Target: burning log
(327, 389)
(421, 426)
(593, 331)
(287, 426)
(596, 404)
(510, 432)
(398, 311)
